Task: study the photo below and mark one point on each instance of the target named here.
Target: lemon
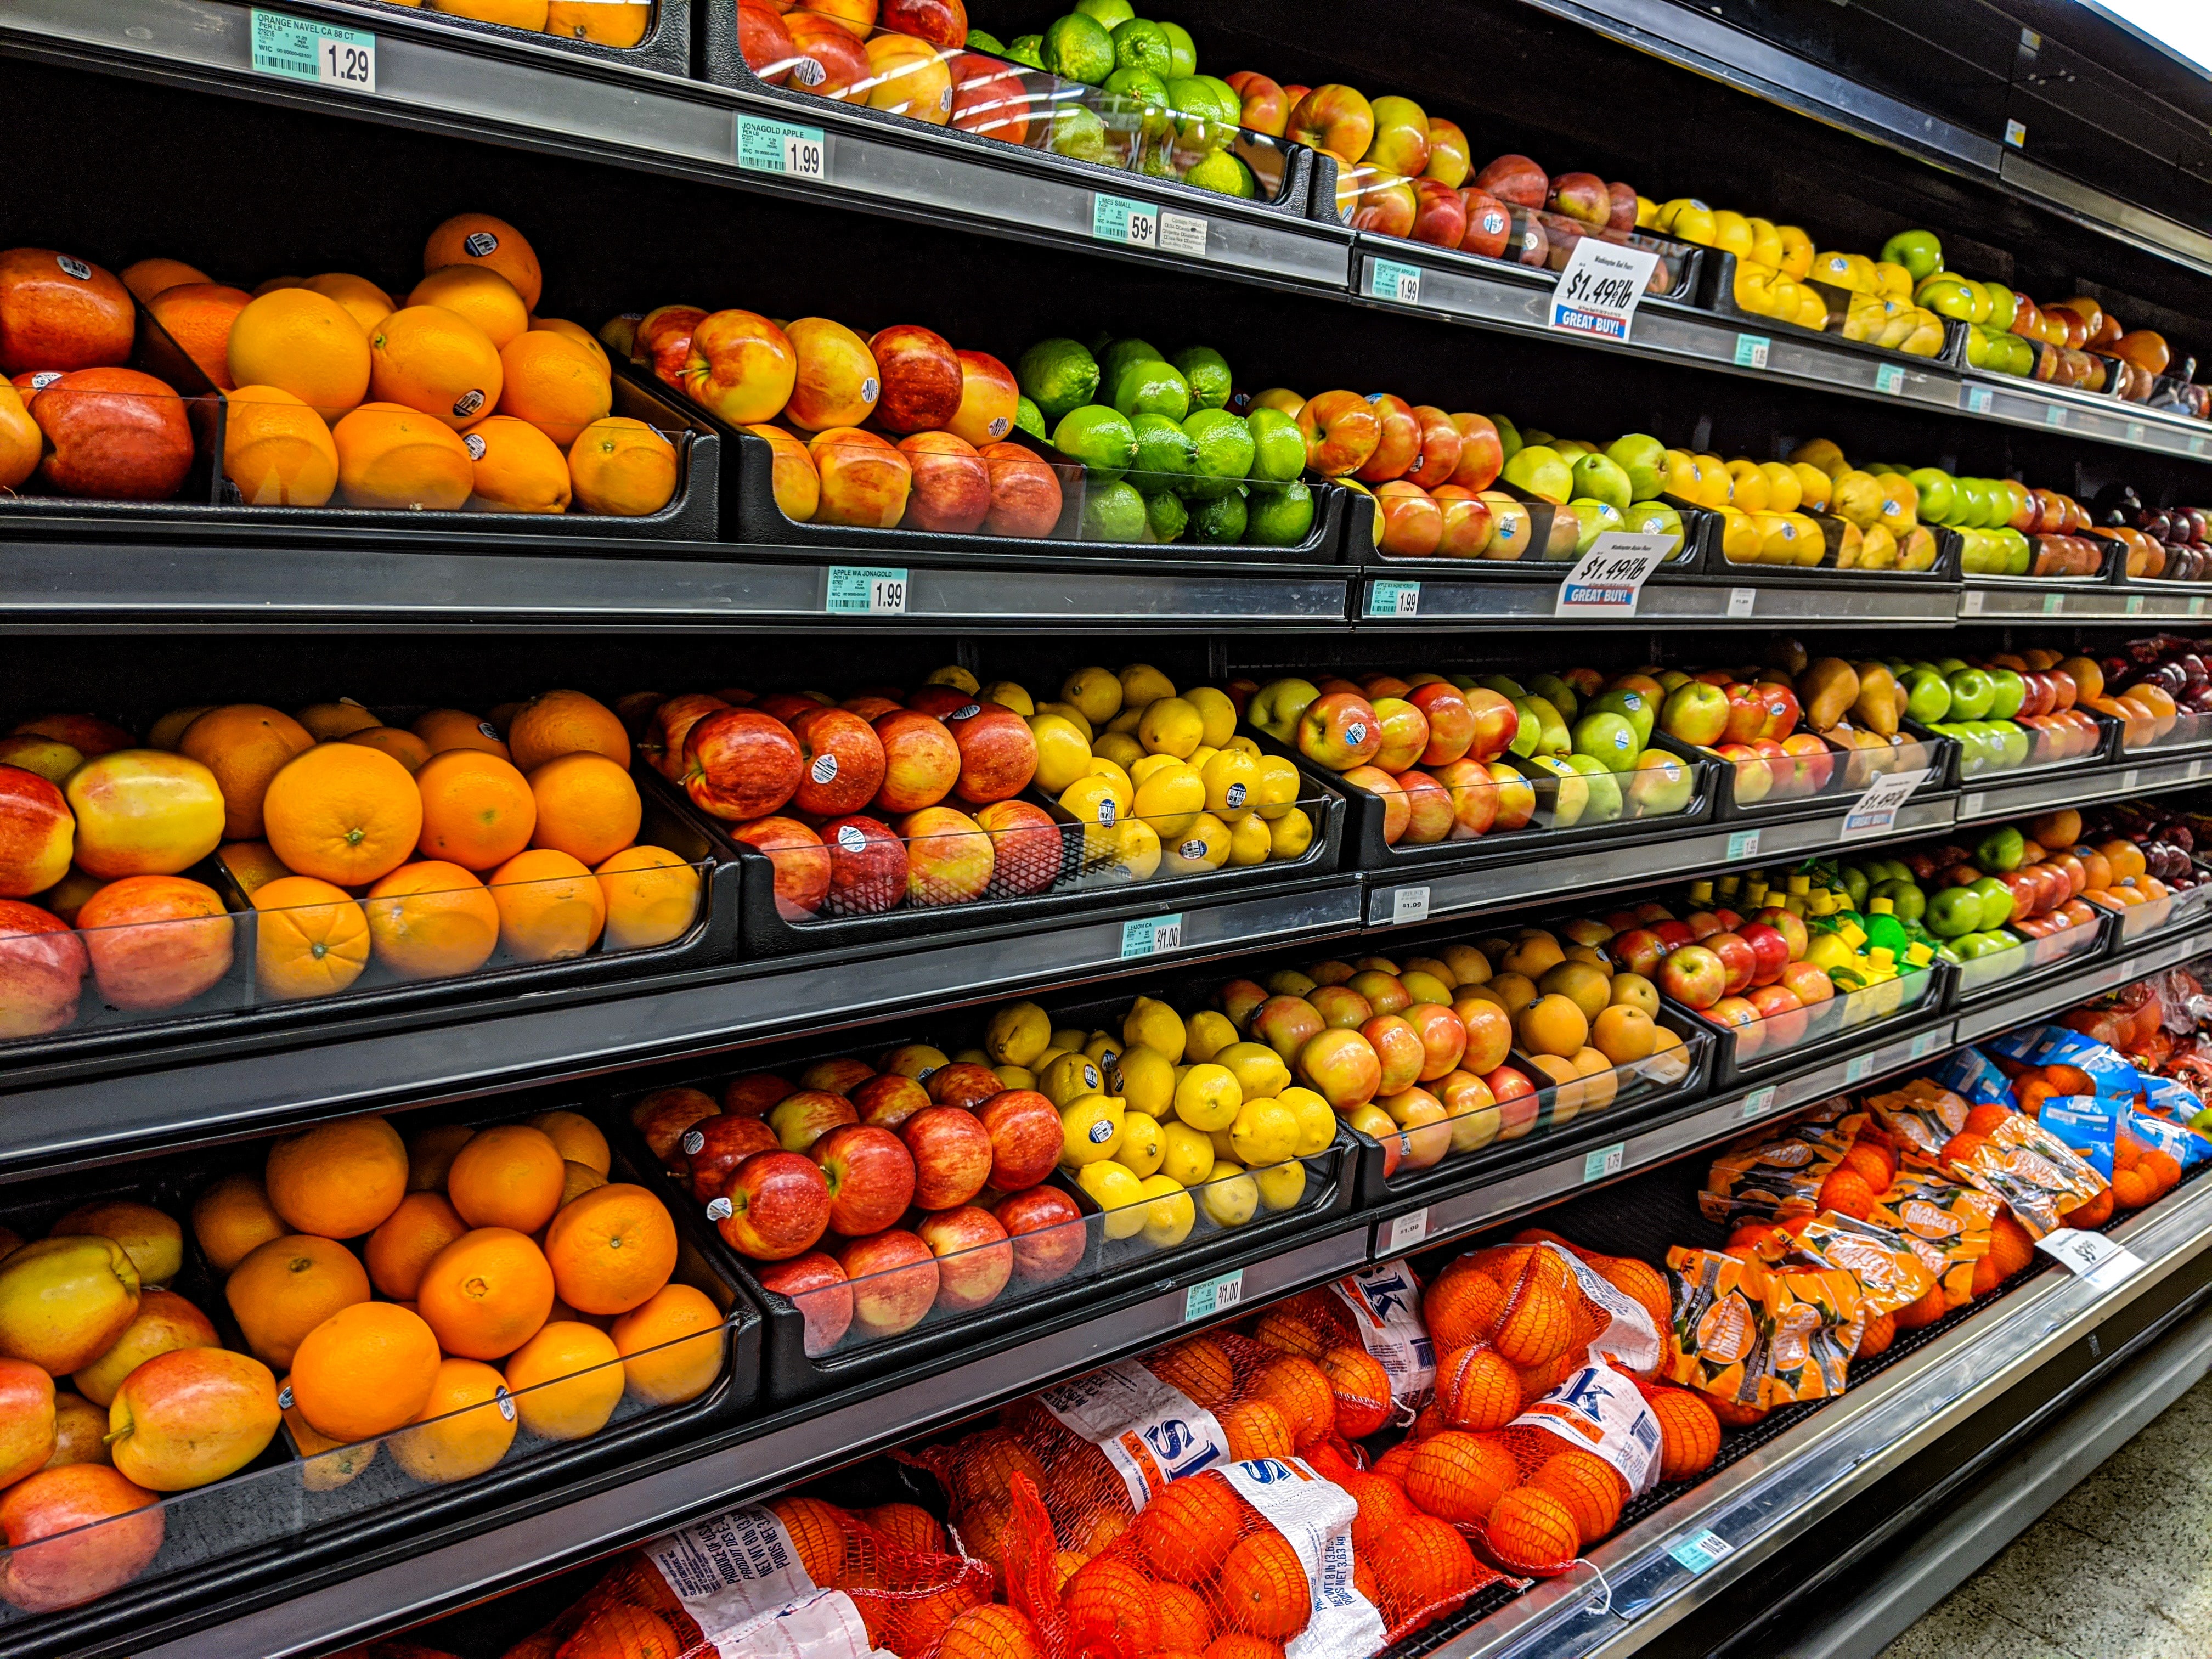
(1147, 1081)
(1251, 840)
(1095, 692)
(1137, 851)
(1316, 1121)
(1289, 836)
(1069, 1078)
(1207, 1097)
(1068, 712)
(1185, 1153)
(1204, 845)
(954, 675)
(1170, 1215)
(1070, 1039)
(1169, 798)
(1229, 1196)
(1015, 1077)
(1118, 1193)
(1224, 1149)
(1142, 684)
(1199, 756)
(972, 1057)
(1232, 784)
(1156, 1026)
(1249, 746)
(1264, 1131)
(1276, 789)
(1282, 1186)
(1090, 799)
(1089, 1129)
(1117, 779)
(1009, 693)
(1118, 747)
(1141, 1146)
(1102, 1048)
(1258, 1069)
(1017, 1033)
(1046, 1059)
(1215, 710)
(1171, 726)
(1063, 753)
(1141, 769)
(1125, 723)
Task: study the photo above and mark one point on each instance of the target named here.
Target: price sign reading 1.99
(1599, 287)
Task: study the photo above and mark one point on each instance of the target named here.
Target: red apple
(950, 857)
(1047, 1231)
(1264, 107)
(1397, 811)
(1474, 798)
(818, 1287)
(765, 44)
(1430, 813)
(1340, 1007)
(1740, 1015)
(1693, 976)
(1517, 1101)
(103, 1530)
(989, 396)
(865, 480)
(1782, 712)
(1412, 524)
(921, 762)
(1514, 180)
(952, 488)
(840, 761)
(1781, 1015)
(888, 1099)
(1379, 1127)
(58, 311)
(940, 22)
(740, 367)
(1444, 1039)
(940, 700)
(1673, 935)
(1240, 999)
(1342, 431)
(894, 1276)
(786, 706)
(1481, 457)
(1448, 156)
(832, 59)
(740, 765)
(1341, 1067)
(868, 865)
(1703, 925)
(1438, 457)
(998, 755)
(1813, 760)
(1792, 929)
(42, 969)
(1339, 730)
(871, 1175)
(37, 833)
(1028, 849)
(1737, 959)
(990, 99)
(773, 1207)
(1755, 776)
(1386, 205)
(717, 1144)
(1769, 950)
(952, 1155)
(113, 435)
(1439, 215)
(1286, 1024)
(1637, 951)
(1334, 117)
(1808, 983)
(663, 1116)
(1025, 498)
(801, 1118)
(1398, 1050)
(1026, 1139)
(802, 863)
(963, 1083)
(1398, 443)
(840, 1076)
(1488, 224)
(974, 1259)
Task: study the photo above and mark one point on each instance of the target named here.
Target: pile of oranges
(428, 1285)
(423, 849)
(605, 23)
(456, 396)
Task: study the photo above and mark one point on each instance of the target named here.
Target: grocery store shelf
(2154, 956)
(447, 79)
(83, 585)
(1491, 602)
(191, 1094)
(2060, 786)
(498, 1552)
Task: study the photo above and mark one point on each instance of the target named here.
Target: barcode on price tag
(783, 146)
(1742, 601)
(321, 53)
(1394, 599)
(1701, 1552)
(1874, 812)
(1742, 844)
(2090, 1255)
(1978, 399)
(1405, 1231)
(863, 590)
(1750, 350)
(1888, 380)
(1605, 580)
(1118, 219)
(2053, 603)
(1758, 1104)
(2054, 415)
(1389, 280)
(1151, 936)
(1215, 1296)
(1604, 1161)
(1856, 1068)
(1599, 287)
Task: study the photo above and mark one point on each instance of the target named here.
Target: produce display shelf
(2115, 602)
(450, 81)
(65, 1117)
(2048, 792)
(335, 584)
(1384, 601)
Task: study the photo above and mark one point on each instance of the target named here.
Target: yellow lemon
(1089, 1129)
(1251, 839)
(1063, 753)
(1009, 695)
(1171, 726)
(1014, 1077)
(1258, 1069)
(1141, 1146)
(1125, 723)
(1264, 1131)
(1276, 787)
(1169, 798)
(1316, 1121)
(1152, 1023)
(1096, 692)
(1147, 1081)
(1069, 1039)
(1143, 768)
(1207, 1097)
(1017, 1033)
(1224, 1149)
(1069, 1078)
(1137, 850)
(1747, 485)
(1206, 1033)
(1229, 1196)
(954, 675)
(1091, 799)
(1169, 1214)
(1281, 1186)
(1070, 714)
(1119, 749)
(1199, 756)
(1203, 844)
(1289, 836)
(1232, 784)
(1215, 710)
(1142, 683)
(1186, 1154)
(1118, 1193)
(1100, 1048)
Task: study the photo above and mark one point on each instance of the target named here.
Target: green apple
(1938, 494)
(2017, 555)
(1949, 295)
(1632, 705)
(1927, 696)
(1556, 692)
(2001, 850)
(1607, 738)
(1539, 469)
(1970, 692)
(1509, 438)
(2009, 692)
(1592, 520)
(1569, 789)
(1953, 912)
(1276, 705)
(2012, 742)
(1601, 478)
(1920, 251)
(1644, 458)
(1605, 798)
(1996, 902)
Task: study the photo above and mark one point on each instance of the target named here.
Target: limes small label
(1118, 219)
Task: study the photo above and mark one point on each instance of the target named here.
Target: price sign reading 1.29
(1599, 288)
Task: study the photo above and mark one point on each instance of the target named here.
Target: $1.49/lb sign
(1605, 580)
(1876, 812)
(1599, 287)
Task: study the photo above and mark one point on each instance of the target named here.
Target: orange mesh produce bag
(796, 1579)
(1779, 1173)
(2037, 1175)
(1363, 1328)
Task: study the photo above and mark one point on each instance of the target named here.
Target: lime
(1153, 388)
(1224, 452)
(1207, 371)
(1220, 520)
(1195, 100)
(1279, 448)
(1167, 515)
(1079, 134)
(987, 44)
(1029, 418)
(1123, 355)
(1224, 99)
(1141, 86)
(1107, 14)
(1140, 45)
(1078, 48)
(1165, 453)
(1099, 437)
(1224, 174)
(1280, 517)
(1183, 55)
(1158, 159)
(1025, 49)
(1113, 513)
(1060, 374)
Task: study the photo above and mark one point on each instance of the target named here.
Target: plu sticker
(481, 244)
(468, 403)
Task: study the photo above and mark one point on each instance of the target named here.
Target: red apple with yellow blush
(1514, 180)
(951, 489)
(920, 377)
(989, 399)
(865, 480)
(1398, 442)
(1025, 498)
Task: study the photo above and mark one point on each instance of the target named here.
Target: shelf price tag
(1742, 601)
(1214, 1296)
(1874, 812)
(781, 147)
(2196, 607)
(321, 53)
(1118, 219)
(1758, 1104)
(2090, 1255)
(1599, 287)
(1751, 349)
(1970, 602)
(1389, 280)
(1701, 1551)
(1406, 1231)
(2053, 603)
(2134, 432)
(1394, 599)
(2128, 780)
(1605, 580)
(867, 590)
(2197, 446)
(2135, 605)
(1888, 380)
(1970, 807)
(1923, 1045)
(1856, 1069)
(1153, 936)
(1742, 844)
(2054, 415)
(1979, 398)
(1604, 1161)
(1409, 904)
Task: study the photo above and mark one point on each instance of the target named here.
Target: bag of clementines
(1781, 1172)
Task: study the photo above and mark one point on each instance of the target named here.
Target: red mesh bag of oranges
(796, 1575)
(1366, 1333)
(1780, 1173)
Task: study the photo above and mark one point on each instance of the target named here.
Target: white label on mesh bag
(733, 1570)
(1598, 1410)
(822, 1625)
(1314, 1516)
(1631, 1338)
(1386, 1309)
(1151, 1433)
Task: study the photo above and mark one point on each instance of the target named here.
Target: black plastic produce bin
(1981, 980)
(1834, 1027)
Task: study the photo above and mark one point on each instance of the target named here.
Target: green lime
(1099, 437)
(1078, 48)
(988, 44)
(1078, 134)
(1167, 515)
(1153, 388)
(1280, 517)
(1224, 452)
(1183, 55)
(1026, 49)
(1224, 99)
(1107, 14)
(1113, 512)
(1223, 173)
(1029, 418)
(1165, 453)
(1139, 44)
(1158, 159)
(1060, 374)
(1123, 354)
(1279, 448)
(1219, 520)
(1193, 100)
(1207, 371)
(1141, 86)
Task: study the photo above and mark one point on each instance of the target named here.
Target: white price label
(2128, 778)
(1970, 602)
(1599, 287)
(1394, 599)
(1742, 601)
(1182, 233)
(1409, 904)
(1387, 279)
(1151, 938)
(1405, 1231)
(1118, 219)
(1924, 1044)
(2090, 1255)
(1758, 1104)
(320, 52)
(1751, 349)
(1215, 1296)
(1970, 807)
(866, 590)
(1874, 813)
(1701, 1551)
(796, 152)
(1978, 399)
(1742, 844)
(1605, 1161)
(1888, 380)
(1605, 580)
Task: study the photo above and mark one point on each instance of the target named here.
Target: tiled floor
(2121, 1568)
